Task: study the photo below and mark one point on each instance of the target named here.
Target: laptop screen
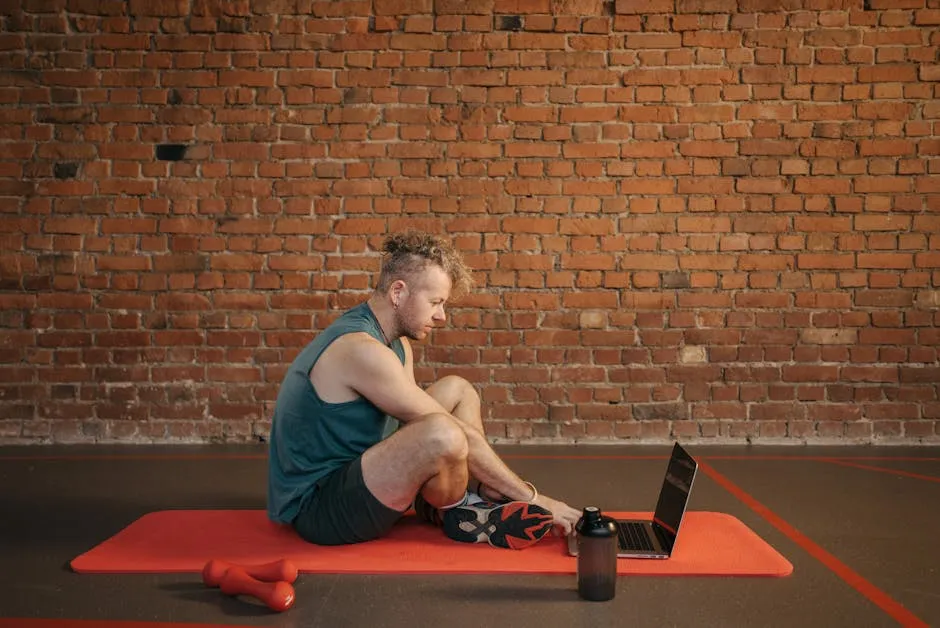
(675, 493)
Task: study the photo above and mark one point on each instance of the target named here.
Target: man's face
(421, 303)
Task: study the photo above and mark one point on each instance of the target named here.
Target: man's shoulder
(356, 338)
(351, 346)
(355, 313)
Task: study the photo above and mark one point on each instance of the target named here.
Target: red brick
(650, 6)
(70, 225)
(810, 261)
(885, 260)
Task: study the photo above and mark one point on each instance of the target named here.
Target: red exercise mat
(710, 544)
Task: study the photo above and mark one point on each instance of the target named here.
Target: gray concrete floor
(58, 502)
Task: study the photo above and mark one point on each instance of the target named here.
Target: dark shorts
(342, 510)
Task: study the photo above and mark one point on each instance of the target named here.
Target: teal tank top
(310, 437)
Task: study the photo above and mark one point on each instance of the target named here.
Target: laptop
(655, 538)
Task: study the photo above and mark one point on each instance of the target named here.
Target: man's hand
(565, 516)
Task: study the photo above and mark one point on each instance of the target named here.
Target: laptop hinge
(666, 539)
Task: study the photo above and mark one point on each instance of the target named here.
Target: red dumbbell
(279, 570)
(278, 596)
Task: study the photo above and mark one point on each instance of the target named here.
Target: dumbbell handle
(278, 596)
(279, 570)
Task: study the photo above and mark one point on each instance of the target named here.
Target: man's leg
(364, 499)
(497, 519)
(460, 398)
(429, 455)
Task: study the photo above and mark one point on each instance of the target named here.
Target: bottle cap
(591, 515)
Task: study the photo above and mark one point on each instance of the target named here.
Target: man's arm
(409, 360)
(381, 379)
(374, 371)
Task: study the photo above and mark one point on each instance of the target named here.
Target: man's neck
(385, 316)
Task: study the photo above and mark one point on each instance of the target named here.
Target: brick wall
(688, 218)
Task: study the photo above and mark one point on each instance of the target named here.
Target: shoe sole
(515, 525)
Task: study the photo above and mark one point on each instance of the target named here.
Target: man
(335, 474)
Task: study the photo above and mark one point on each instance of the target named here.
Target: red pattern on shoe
(514, 525)
(531, 533)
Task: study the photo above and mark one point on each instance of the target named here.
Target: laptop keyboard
(633, 536)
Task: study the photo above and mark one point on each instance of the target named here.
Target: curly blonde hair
(407, 254)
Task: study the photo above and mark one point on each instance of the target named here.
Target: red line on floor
(823, 458)
(579, 457)
(756, 458)
(99, 623)
(907, 474)
(852, 578)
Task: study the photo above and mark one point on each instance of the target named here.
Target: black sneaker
(426, 512)
(486, 493)
(513, 525)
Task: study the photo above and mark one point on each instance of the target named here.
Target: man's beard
(404, 329)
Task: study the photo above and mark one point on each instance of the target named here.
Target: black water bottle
(597, 555)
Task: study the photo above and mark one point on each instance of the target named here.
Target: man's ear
(397, 291)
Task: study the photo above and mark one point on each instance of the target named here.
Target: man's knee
(460, 386)
(444, 437)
